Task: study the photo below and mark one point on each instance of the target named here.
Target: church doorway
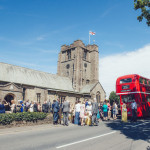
(8, 98)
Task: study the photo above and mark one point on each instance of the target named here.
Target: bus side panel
(139, 105)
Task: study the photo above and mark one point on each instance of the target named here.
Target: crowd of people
(25, 106)
(87, 112)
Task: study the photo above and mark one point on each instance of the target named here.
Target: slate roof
(20, 75)
(87, 88)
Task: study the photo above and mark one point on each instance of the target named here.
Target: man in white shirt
(134, 111)
(77, 113)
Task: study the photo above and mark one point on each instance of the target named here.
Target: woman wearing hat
(22, 105)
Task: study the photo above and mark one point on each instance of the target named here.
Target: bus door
(148, 104)
(127, 99)
(143, 105)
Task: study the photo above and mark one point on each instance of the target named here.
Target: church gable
(10, 87)
(97, 91)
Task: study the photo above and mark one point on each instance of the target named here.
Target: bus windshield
(127, 98)
(127, 80)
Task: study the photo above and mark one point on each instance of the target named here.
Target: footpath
(14, 130)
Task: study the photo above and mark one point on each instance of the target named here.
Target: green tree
(113, 97)
(144, 6)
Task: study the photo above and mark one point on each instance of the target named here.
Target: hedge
(24, 116)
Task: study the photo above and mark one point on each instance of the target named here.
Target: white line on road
(85, 140)
(140, 124)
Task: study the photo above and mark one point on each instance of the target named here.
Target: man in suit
(134, 111)
(94, 112)
(35, 107)
(55, 108)
(66, 109)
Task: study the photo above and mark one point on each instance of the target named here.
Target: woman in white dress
(13, 106)
(31, 107)
(82, 113)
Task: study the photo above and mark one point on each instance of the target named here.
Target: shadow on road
(139, 130)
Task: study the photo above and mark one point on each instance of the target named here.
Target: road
(110, 135)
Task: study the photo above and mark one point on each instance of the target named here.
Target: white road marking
(85, 140)
(139, 124)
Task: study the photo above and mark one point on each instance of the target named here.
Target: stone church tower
(80, 63)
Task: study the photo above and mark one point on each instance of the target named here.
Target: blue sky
(32, 31)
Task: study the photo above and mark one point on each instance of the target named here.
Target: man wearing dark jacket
(66, 109)
(45, 107)
(55, 108)
(35, 107)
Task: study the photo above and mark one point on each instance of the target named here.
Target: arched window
(98, 97)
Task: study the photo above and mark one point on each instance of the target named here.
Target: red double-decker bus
(136, 87)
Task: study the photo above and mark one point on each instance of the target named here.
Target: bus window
(143, 98)
(148, 98)
(148, 82)
(145, 81)
(128, 80)
(141, 80)
(127, 98)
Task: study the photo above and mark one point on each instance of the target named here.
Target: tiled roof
(87, 88)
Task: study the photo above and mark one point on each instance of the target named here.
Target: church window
(98, 98)
(38, 97)
(85, 65)
(87, 81)
(69, 54)
(82, 81)
(67, 66)
(85, 54)
(73, 68)
(61, 98)
(23, 94)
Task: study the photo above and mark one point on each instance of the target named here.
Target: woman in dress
(82, 113)
(22, 106)
(13, 106)
(39, 107)
(89, 113)
(114, 110)
(31, 106)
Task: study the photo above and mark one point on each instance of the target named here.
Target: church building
(77, 78)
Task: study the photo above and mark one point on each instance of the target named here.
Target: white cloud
(113, 66)
(40, 38)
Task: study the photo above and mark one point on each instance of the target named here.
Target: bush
(25, 116)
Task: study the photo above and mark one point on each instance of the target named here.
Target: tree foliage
(144, 5)
(113, 97)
